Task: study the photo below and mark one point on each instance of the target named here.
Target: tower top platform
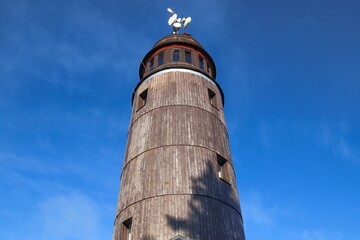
(191, 55)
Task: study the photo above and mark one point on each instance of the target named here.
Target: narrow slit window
(151, 64)
(213, 99)
(188, 58)
(161, 59)
(223, 168)
(201, 62)
(142, 99)
(126, 229)
(176, 55)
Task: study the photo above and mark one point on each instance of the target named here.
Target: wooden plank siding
(169, 182)
(178, 88)
(195, 217)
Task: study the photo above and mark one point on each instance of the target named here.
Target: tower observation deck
(178, 180)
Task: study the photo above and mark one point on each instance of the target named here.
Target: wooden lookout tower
(178, 179)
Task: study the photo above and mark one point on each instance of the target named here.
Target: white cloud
(320, 235)
(265, 136)
(57, 53)
(71, 216)
(334, 138)
(259, 215)
(255, 211)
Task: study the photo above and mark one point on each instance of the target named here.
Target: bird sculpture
(176, 22)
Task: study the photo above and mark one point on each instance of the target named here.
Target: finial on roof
(176, 22)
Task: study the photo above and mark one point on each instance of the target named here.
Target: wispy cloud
(258, 212)
(283, 222)
(265, 136)
(334, 137)
(70, 216)
(70, 58)
(320, 235)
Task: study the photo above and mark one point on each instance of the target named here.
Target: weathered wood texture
(170, 183)
(178, 88)
(175, 170)
(192, 216)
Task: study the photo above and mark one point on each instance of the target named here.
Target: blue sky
(291, 77)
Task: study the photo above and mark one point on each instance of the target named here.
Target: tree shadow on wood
(213, 210)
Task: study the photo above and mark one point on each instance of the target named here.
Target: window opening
(176, 55)
(188, 58)
(161, 59)
(142, 99)
(213, 99)
(126, 233)
(223, 168)
(201, 62)
(151, 64)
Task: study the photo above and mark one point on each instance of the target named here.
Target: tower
(178, 180)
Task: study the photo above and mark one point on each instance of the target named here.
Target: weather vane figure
(176, 22)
